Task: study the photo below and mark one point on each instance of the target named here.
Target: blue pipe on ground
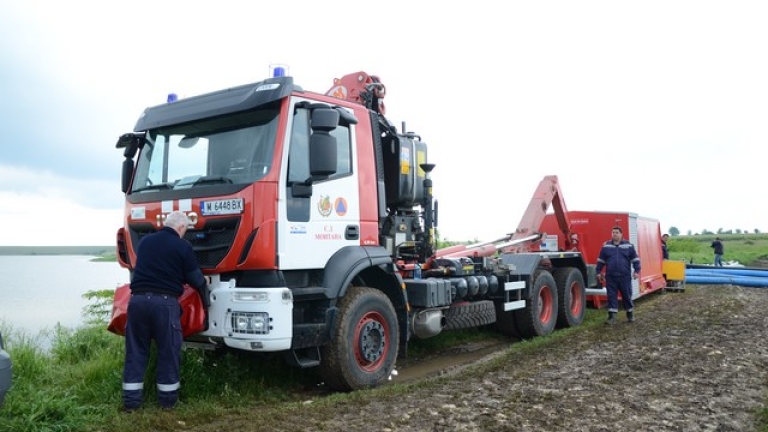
(747, 281)
(739, 271)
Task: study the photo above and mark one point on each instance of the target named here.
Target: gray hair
(176, 219)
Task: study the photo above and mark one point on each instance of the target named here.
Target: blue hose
(726, 271)
(747, 281)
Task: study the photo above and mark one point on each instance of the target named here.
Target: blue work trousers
(152, 316)
(615, 285)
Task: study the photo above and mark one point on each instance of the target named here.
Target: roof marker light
(278, 70)
(172, 97)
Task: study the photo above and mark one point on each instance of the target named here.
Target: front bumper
(231, 306)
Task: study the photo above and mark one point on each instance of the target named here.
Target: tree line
(674, 231)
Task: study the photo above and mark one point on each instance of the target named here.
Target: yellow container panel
(675, 270)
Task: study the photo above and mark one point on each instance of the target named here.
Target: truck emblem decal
(340, 206)
(324, 205)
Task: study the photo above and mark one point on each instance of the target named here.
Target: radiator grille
(211, 243)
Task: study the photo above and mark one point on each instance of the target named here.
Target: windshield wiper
(212, 180)
(159, 186)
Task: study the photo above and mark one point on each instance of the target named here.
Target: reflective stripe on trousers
(133, 386)
(168, 387)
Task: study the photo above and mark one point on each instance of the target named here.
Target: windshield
(233, 149)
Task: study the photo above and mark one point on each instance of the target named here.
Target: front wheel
(363, 346)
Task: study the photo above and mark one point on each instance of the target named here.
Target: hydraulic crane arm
(361, 88)
(547, 193)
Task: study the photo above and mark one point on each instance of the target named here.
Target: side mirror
(126, 174)
(131, 142)
(322, 145)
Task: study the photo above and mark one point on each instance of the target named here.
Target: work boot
(611, 318)
(630, 316)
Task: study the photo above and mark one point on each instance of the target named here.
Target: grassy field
(746, 249)
(76, 385)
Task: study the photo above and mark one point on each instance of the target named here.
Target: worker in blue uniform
(618, 256)
(164, 263)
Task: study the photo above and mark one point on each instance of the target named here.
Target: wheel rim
(545, 304)
(372, 341)
(576, 304)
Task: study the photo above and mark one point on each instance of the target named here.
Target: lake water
(39, 292)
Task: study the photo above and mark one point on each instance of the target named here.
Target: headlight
(250, 322)
(241, 323)
(258, 323)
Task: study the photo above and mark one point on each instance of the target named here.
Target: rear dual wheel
(572, 297)
(539, 316)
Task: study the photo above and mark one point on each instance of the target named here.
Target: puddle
(463, 355)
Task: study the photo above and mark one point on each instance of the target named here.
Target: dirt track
(693, 361)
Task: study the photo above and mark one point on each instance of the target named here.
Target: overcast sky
(659, 108)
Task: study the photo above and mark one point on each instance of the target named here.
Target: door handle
(352, 232)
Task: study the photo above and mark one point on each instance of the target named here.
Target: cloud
(39, 208)
(35, 219)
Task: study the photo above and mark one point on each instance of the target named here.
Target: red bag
(192, 311)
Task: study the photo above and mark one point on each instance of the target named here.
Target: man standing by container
(718, 246)
(618, 256)
(164, 263)
(664, 250)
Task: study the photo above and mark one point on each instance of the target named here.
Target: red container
(594, 229)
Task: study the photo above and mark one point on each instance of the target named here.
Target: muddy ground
(693, 361)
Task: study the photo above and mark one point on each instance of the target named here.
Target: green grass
(76, 385)
(107, 257)
(743, 248)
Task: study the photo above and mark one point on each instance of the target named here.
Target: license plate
(221, 207)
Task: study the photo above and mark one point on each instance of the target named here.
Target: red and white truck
(314, 216)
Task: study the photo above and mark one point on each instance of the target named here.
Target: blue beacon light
(279, 71)
(172, 97)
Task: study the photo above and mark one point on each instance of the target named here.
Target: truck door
(312, 228)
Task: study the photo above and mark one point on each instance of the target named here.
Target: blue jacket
(618, 260)
(164, 263)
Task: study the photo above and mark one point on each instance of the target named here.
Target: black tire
(506, 323)
(539, 316)
(571, 295)
(364, 341)
(469, 315)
